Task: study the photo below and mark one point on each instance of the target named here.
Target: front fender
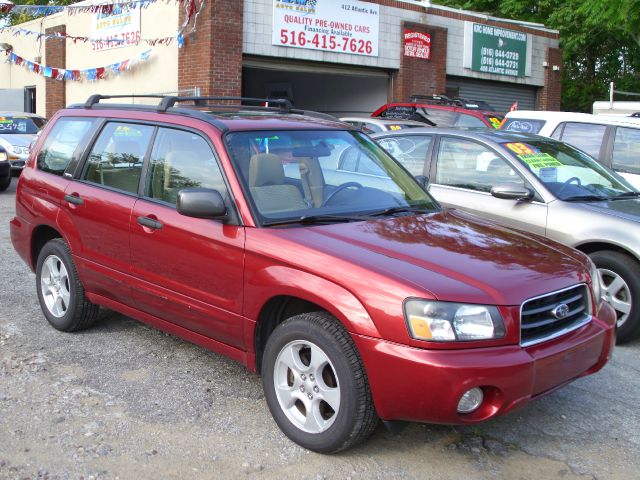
(278, 280)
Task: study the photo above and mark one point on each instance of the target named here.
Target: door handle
(75, 199)
(150, 223)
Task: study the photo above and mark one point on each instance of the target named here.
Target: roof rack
(277, 105)
(282, 104)
(94, 99)
(433, 100)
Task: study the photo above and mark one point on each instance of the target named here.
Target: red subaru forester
(295, 245)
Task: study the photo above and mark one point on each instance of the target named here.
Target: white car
(17, 130)
(612, 141)
(377, 125)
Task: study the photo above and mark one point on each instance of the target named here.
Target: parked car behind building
(542, 186)
(356, 296)
(613, 141)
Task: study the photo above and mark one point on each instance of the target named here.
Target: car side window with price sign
(348, 26)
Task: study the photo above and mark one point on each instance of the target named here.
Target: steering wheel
(338, 189)
(567, 182)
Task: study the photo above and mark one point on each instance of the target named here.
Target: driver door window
(470, 165)
(410, 151)
(180, 160)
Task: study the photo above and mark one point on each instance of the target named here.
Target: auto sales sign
(343, 26)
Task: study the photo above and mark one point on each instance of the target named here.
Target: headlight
(3, 156)
(595, 283)
(450, 322)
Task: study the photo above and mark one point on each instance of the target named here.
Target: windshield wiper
(585, 198)
(399, 209)
(624, 195)
(311, 219)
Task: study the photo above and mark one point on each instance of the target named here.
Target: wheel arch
(595, 246)
(300, 292)
(40, 236)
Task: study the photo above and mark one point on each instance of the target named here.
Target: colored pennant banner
(90, 74)
(165, 41)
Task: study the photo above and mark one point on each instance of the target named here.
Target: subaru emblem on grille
(560, 311)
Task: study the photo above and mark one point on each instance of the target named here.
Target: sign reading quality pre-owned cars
(344, 26)
(499, 50)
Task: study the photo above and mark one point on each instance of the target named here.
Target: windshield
(28, 125)
(567, 172)
(326, 174)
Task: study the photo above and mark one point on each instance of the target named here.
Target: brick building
(337, 56)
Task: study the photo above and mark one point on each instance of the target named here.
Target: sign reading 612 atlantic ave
(344, 26)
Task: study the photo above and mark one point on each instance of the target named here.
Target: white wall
(158, 74)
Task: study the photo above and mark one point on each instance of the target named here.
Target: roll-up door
(334, 89)
(500, 95)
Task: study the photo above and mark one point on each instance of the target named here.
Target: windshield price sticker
(539, 160)
(346, 26)
(496, 122)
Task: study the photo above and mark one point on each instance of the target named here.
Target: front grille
(538, 321)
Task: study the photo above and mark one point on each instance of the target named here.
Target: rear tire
(315, 384)
(60, 292)
(620, 280)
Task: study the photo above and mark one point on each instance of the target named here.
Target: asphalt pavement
(123, 400)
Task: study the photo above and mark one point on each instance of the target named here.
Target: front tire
(315, 384)
(620, 280)
(60, 292)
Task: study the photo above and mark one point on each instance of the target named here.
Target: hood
(19, 139)
(627, 209)
(450, 255)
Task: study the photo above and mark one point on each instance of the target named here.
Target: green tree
(599, 39)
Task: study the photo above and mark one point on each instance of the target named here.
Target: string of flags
(90, 74)
(192, 8)
(165, 41)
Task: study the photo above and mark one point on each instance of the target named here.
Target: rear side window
(116, 158)
(585, 136)
(465, 120)
(441, 118)
(180, 160)
(522, 125)
(61, 143)
(626, 150)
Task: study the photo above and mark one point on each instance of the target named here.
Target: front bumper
(420, 385)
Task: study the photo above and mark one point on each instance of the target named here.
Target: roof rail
(283, 104)
(433, 99)
(94, 99)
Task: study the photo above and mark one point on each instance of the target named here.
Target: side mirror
(201, 203)
(423, 181)
(512, 191)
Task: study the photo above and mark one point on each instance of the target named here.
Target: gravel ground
(126, 401)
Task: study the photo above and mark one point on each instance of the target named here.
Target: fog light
(470, 401)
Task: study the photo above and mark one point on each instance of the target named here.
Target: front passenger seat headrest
(265, 169)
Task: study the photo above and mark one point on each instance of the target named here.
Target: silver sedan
(539, 185)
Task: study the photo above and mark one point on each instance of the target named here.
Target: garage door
(499, 94)
(336, 90)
